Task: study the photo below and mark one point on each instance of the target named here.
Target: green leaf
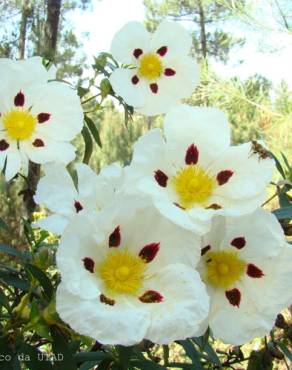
(93, 129)
(88, 365)
(91, 356)
(192, 353)
(3, 225)
(286, 161)
(279, 166)
(81, 91)
(11, 251)
(147, 365)
(4, 301)
(15, 281)
(88, 144)
(32, 358)
(61, 348)
(45, 282)
(283, 213)
(285, 350)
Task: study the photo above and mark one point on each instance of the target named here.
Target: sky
(108, 16)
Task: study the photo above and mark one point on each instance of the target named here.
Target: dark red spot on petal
(162, 51)
(169, 72)
(149, 252)
(78, 206)
(192, 155)
(38, 143)
(114, 239)
(161, 178)
(135, 80)
(43, 117)
(254, 272)
(19, 100)
(88, 264)
(3, 145)
(106, 300)
(239, 242)
(224, 176)
(151, 296)
(205, 249)
(137, 52)
(233, 296)
(214, 206)
(154, 88)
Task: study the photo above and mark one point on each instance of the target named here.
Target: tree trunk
(203, 38)
(25, 12)
(50, 48)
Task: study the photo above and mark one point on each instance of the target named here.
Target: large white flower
(194, 173)
(161, 73)
(247, 266)
(37, 118)
(124, 276)
(57, 191)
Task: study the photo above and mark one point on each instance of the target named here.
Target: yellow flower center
(122, 272)
(223, 268)
(19, 124)
(193, 185)
(150, 66)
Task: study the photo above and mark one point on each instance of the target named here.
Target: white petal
(121, 81)
(130, 37)
(207, 128)
(185, 305)
(174, 36)
(119, 324)
(56, 190)
(63, 104)
(61, 152)
(87, 186)
(55, 224)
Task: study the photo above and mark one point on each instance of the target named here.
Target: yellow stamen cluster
(223, 268)
(150, 66)
(122, 272)
(193, 185)
(19, 124)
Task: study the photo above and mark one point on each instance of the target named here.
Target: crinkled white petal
(134, 95)
(131, 36)
(119, 324)
(11, 157)
(63, 104)
(55, 223)
(56, 190)
(57, 151)
(207, 128)
(185, 305)
(174, 36)
(87, 186)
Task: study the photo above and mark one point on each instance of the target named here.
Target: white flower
(124, 276)
(37, 118)
(194, 173)
(57, 192)
(161, 72)
(247, 266)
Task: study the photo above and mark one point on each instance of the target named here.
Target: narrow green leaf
(285, 350)
(93, 129)
(88, 365)
(286, 161)
(91, 356)
(283, 213)
(61, 349)
(15, 281)
(4, 301)
(88, 144)
(33, 358)
(42, 278)
(11, 251)
(279, 166)
(147, 365)
(192, 353)
(3, 225)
